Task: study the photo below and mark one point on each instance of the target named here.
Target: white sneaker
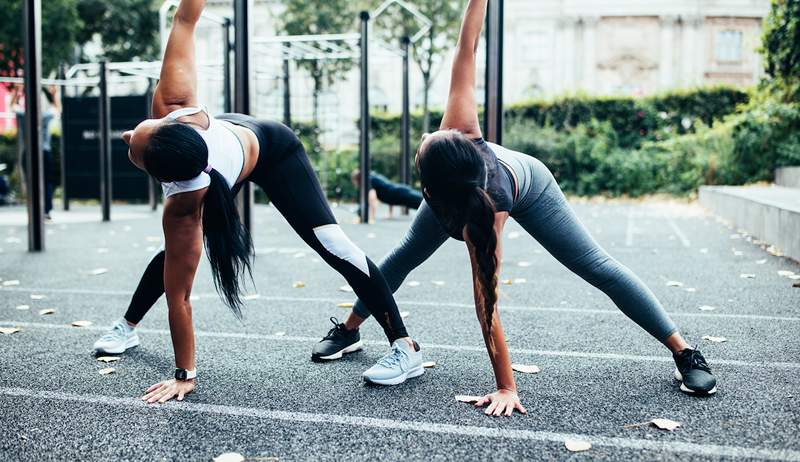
(118, 339)
(400, 363)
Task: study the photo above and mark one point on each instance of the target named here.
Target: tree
(781, 47)
(60, 26)
(128, 29)
(304, 17)
(429, 52)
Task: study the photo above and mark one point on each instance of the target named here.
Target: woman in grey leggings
(471, 188)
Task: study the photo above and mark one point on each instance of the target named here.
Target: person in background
(384, 190)
(51, 108)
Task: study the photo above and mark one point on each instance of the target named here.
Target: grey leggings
(544, 213)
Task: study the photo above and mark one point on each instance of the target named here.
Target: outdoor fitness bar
(32, 18)
(493, 106)
(241, 103)
(364, 163)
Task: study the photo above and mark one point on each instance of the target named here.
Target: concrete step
(770, 213)
(788, 177)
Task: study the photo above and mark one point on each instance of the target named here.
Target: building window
(728, 46)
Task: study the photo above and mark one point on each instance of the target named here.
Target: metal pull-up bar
(493, 105)
(32, 19)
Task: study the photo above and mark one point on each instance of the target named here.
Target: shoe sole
(400, 378)
(688, 390)
(338, 355)
(131, 343)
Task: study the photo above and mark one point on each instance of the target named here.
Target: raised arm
(461, 112)
(505, 400)
(177, 86)
(184, 245)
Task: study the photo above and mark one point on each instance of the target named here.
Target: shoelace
(392, 358)
(697, 361)
(335, 330)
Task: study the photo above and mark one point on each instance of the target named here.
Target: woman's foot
(337, 343)
(402, 362)
(693, 373)
(121, 337)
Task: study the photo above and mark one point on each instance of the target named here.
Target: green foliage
(781, 47)
(60, 27)
(128, 28)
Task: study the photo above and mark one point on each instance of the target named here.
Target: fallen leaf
(508, 282)
(12, 282)
(107, 359)
(674, 284)
(690, 289)
(38, 297)
(577, 445)
(747, 276)
(429, 364)
(786, 274)
(229, 457)
(345, 288)
(665, 424)
(404, 314)
(468, 398)
(412, 283)
(774, 251)
(81, 323)
(299, 255)
(98, 271)
(526, 368)
(524, 264)
(9, 330)
(299, 285)
(106, 371)
(713, 339)
(520, 280)
(707, 308)
(345, 305)
(252, 297)
(437, 283)
(761, 262)
(46, 311)
(23, 307)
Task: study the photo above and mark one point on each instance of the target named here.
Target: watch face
(180, 374)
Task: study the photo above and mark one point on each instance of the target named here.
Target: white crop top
(225, 153)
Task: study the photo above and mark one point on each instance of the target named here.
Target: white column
(666, 53)
(692, 46)
(568, 52)
(589, 53)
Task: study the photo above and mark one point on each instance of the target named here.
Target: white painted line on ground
(436, 346)
(349, 421)
(684, 240)
(522, 308)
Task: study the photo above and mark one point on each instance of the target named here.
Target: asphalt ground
(260, 395)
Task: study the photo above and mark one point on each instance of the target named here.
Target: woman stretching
(201, 162)
(471, 188)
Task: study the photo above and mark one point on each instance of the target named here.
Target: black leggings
(285, 174)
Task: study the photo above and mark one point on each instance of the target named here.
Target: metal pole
(493, 106)
(105, 143)
(363, 187)
(241, 102)
(405, 135)
(287, 91)
(32, 18)
(152, 184)
(226, 66)
(61, 145)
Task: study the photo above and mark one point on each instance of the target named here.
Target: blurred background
(618, 98)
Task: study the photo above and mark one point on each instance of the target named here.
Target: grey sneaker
(400, 363)
(118, 339)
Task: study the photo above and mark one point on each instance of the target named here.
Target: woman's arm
(184, 245)
(461, 112)
(505, 399)
(177, 86)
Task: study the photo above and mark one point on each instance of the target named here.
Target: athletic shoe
(337, 343)
(693, 373)
(400, 363)
(118, 339)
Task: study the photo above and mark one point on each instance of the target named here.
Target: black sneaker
(693, 373)
(337, 343)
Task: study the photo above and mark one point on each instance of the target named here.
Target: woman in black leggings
(201, 162)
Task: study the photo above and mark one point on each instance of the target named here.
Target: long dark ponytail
(454, 175)
(176, 152)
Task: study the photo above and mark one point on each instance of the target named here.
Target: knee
(336, 243)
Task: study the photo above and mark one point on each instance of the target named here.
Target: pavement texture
(259, 394)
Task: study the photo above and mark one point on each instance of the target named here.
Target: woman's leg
(293, 188)
(552, 222)
(149, 290)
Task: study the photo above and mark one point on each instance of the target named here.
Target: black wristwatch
(183, 375)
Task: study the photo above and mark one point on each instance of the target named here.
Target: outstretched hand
(168, 389)
(501, 402)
